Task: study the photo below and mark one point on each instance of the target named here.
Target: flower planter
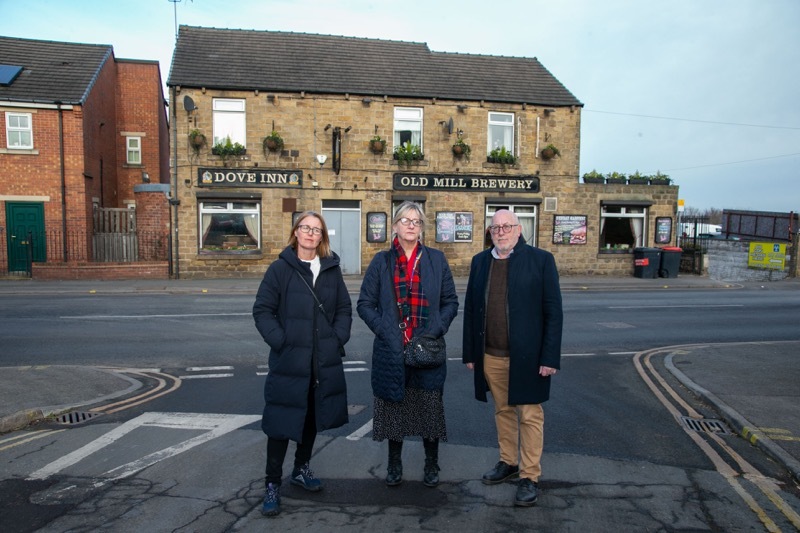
(197, 141)
(377, 147)
(593, 180)
(271, 145)
(618, 181)
(548, 153)
(638, 181)
(458, 150)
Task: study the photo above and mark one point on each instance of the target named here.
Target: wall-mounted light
(366, 101)
(327, 127)
(548, 111)
(462, 107)
(145, 177)
(348, 128)
(321, 158)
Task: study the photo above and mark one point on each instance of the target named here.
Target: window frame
(626, 211)
(492, 207)
(229, 119)
(20, 131)
(398, 117)
(204, 207)
(130, 150)
(493, 122)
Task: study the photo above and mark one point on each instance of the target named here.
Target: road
(615, 454)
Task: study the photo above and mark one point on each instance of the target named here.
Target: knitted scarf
(411, 302)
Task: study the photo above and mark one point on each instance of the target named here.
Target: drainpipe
(174, 203)
(63, 180)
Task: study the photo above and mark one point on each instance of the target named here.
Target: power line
(732, 162)
(694, 120)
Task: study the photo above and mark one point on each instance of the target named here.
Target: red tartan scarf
(411, 302)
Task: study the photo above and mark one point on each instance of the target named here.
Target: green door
(25, 222)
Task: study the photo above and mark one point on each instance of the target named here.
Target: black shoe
(431, 474)
(500, 473)
(527, 493)
(394, 473)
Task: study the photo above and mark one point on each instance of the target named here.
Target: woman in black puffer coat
(304, 314)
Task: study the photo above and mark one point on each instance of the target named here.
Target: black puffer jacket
(304, 343)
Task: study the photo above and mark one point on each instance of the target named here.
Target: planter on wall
(377, 147)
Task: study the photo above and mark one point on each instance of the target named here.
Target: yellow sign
(767, 255)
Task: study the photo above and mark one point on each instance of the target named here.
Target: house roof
(283, 61)
(51, 71)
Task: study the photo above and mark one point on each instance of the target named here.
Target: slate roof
(284, 61)
(52, 71)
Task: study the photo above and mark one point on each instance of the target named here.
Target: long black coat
(377, 306)
(305, 344)
(534, 321)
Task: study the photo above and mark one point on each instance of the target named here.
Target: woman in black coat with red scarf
(407, 291)
(304, 314)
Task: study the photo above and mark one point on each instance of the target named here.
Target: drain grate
(75, 417)
(706, 425)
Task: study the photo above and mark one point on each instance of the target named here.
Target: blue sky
(705, 91)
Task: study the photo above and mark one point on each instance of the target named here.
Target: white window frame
(20, 132)
(247, 208)
(408, 119)
(632, 212)
(526, 213)
(133, 150)
(229, 120)
(500, 132)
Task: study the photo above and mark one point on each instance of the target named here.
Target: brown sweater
(496, 319)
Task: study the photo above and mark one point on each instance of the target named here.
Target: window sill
(19, 151)
(249, 255)
(615, 252)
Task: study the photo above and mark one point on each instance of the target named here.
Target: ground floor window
(230, 226)
(527, 220)
(622, 227)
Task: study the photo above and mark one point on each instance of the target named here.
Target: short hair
(514, 217)
(407, 206)
(324, 246)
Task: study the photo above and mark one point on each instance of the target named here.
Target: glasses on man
(505, 228)
(308, 229)
(411, 221)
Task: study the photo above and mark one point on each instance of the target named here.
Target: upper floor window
(501, 132)
(408, 126)
(19, 130)
(133, 148)
(229, 120)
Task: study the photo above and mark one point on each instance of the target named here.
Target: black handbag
(425, 351)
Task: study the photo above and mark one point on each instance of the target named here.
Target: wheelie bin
(670, 261)
(646, 262)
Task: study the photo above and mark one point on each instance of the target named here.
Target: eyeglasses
(308, 229)
(410, 221)
(505, 228)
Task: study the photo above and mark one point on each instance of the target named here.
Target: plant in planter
(616, 177)
(407, 152)
(637, 179)
(593, 177)
(502, 156)
(377, 145)
(461, 148)
(659, 179)
(549, 152)
(272, 142)
(196, 140)
(227, 148)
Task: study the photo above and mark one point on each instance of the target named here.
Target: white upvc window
(526, 213)
(19, 131)
(230, 226)
(133, 149)
(408, 126)
(622, 227)
(501, 131)
(229, 121)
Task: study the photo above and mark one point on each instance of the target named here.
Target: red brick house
(81, 133)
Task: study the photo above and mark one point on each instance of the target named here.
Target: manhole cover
(706, 425)
(75, 417)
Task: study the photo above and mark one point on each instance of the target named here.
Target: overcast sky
(705, 91)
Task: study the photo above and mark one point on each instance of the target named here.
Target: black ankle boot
(431, 478)
(394, 471)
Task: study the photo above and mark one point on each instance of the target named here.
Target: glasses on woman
(410, 221)
(505, 228)
(308, 229)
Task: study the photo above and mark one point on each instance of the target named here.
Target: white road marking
(360, 432)
(203, 368)
(356, 369)
(672, 306)
(187, 315)
(206, 376)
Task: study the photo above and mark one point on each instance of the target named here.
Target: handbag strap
(314, 294)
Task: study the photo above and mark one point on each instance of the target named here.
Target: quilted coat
(377, 306)
(306, 345)
(535, 321)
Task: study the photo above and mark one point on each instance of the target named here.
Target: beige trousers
(520, 428)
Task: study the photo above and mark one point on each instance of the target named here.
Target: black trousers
(276, 448)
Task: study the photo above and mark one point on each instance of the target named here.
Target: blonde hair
(324, 246)
(407, 206)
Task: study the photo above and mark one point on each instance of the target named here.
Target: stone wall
(727, 261)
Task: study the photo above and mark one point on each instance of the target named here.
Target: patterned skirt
(421, 414)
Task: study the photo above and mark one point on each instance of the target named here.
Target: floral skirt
(420, 413)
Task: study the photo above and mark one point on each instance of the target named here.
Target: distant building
(328, 98)
(81, 132)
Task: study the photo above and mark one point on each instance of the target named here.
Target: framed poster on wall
(376, 227)
(663, 230)
(463, 230)
(569, 229)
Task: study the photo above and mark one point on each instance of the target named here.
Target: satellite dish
(188, 103)
(450, 126)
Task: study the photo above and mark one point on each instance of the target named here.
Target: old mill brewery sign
(464, 182)
(253, 177)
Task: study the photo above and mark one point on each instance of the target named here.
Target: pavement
(753, 386)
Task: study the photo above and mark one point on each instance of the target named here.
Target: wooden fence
(114, 235)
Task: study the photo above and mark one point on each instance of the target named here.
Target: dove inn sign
(252, 177)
